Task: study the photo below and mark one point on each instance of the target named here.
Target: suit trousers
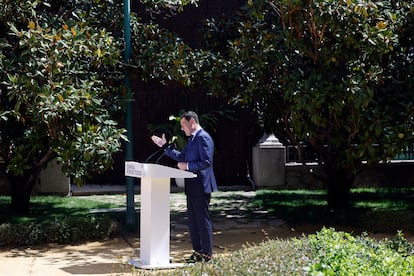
(199, 223)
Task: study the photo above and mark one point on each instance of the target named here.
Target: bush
(339, 253)
(62, 231)
(53, 219)
(327, 252)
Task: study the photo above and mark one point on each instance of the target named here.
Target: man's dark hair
(190, 114)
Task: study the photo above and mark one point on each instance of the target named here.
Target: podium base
(138, 264)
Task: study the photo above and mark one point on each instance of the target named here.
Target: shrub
(62, 230)
(328, 252)
(340, 253)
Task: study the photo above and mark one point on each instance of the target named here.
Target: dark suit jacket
(199, 154)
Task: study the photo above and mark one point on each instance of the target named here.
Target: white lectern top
(136, 169)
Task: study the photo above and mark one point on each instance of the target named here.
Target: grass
(327, 252)
(376, 210)
(46, 209)
(372, 210)
(63, 220)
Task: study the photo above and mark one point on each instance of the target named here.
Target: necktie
(191, 138)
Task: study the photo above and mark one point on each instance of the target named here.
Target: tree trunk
(20, 198)
(21, 189)
(339, 187)
(22, 185)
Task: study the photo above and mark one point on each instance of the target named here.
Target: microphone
(159, 158)
(173, 145)
(153, 154)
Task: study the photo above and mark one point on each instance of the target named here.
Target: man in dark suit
(197, 157)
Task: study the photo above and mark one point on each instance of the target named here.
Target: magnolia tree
(59, 92)
(334, 75)
(61, 96)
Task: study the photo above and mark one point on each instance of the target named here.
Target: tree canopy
(61, 93)
(60, 90)
(336, 76)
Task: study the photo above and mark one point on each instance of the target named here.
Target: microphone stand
(172, 145)
(159, 158)
(153, 154)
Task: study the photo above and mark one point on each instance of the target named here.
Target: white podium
(155, 212)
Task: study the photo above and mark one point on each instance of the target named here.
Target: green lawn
(54, 219)
(371, 210)
(45, 209)
(375, 210)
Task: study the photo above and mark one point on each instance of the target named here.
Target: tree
(60, 91)
(336, 75)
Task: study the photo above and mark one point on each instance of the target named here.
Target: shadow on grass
(53, 220)
(375, 210)
(372, 210)
(46, 209)
(224, 205)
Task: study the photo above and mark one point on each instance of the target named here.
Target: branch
(48, 155)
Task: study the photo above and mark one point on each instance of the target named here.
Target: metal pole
(131, 220)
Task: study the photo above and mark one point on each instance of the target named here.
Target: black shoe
(197, 257)
(194, 258)
(206, 258)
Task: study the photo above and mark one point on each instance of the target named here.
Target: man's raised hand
(159, 141)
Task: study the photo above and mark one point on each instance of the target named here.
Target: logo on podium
(134, 169)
